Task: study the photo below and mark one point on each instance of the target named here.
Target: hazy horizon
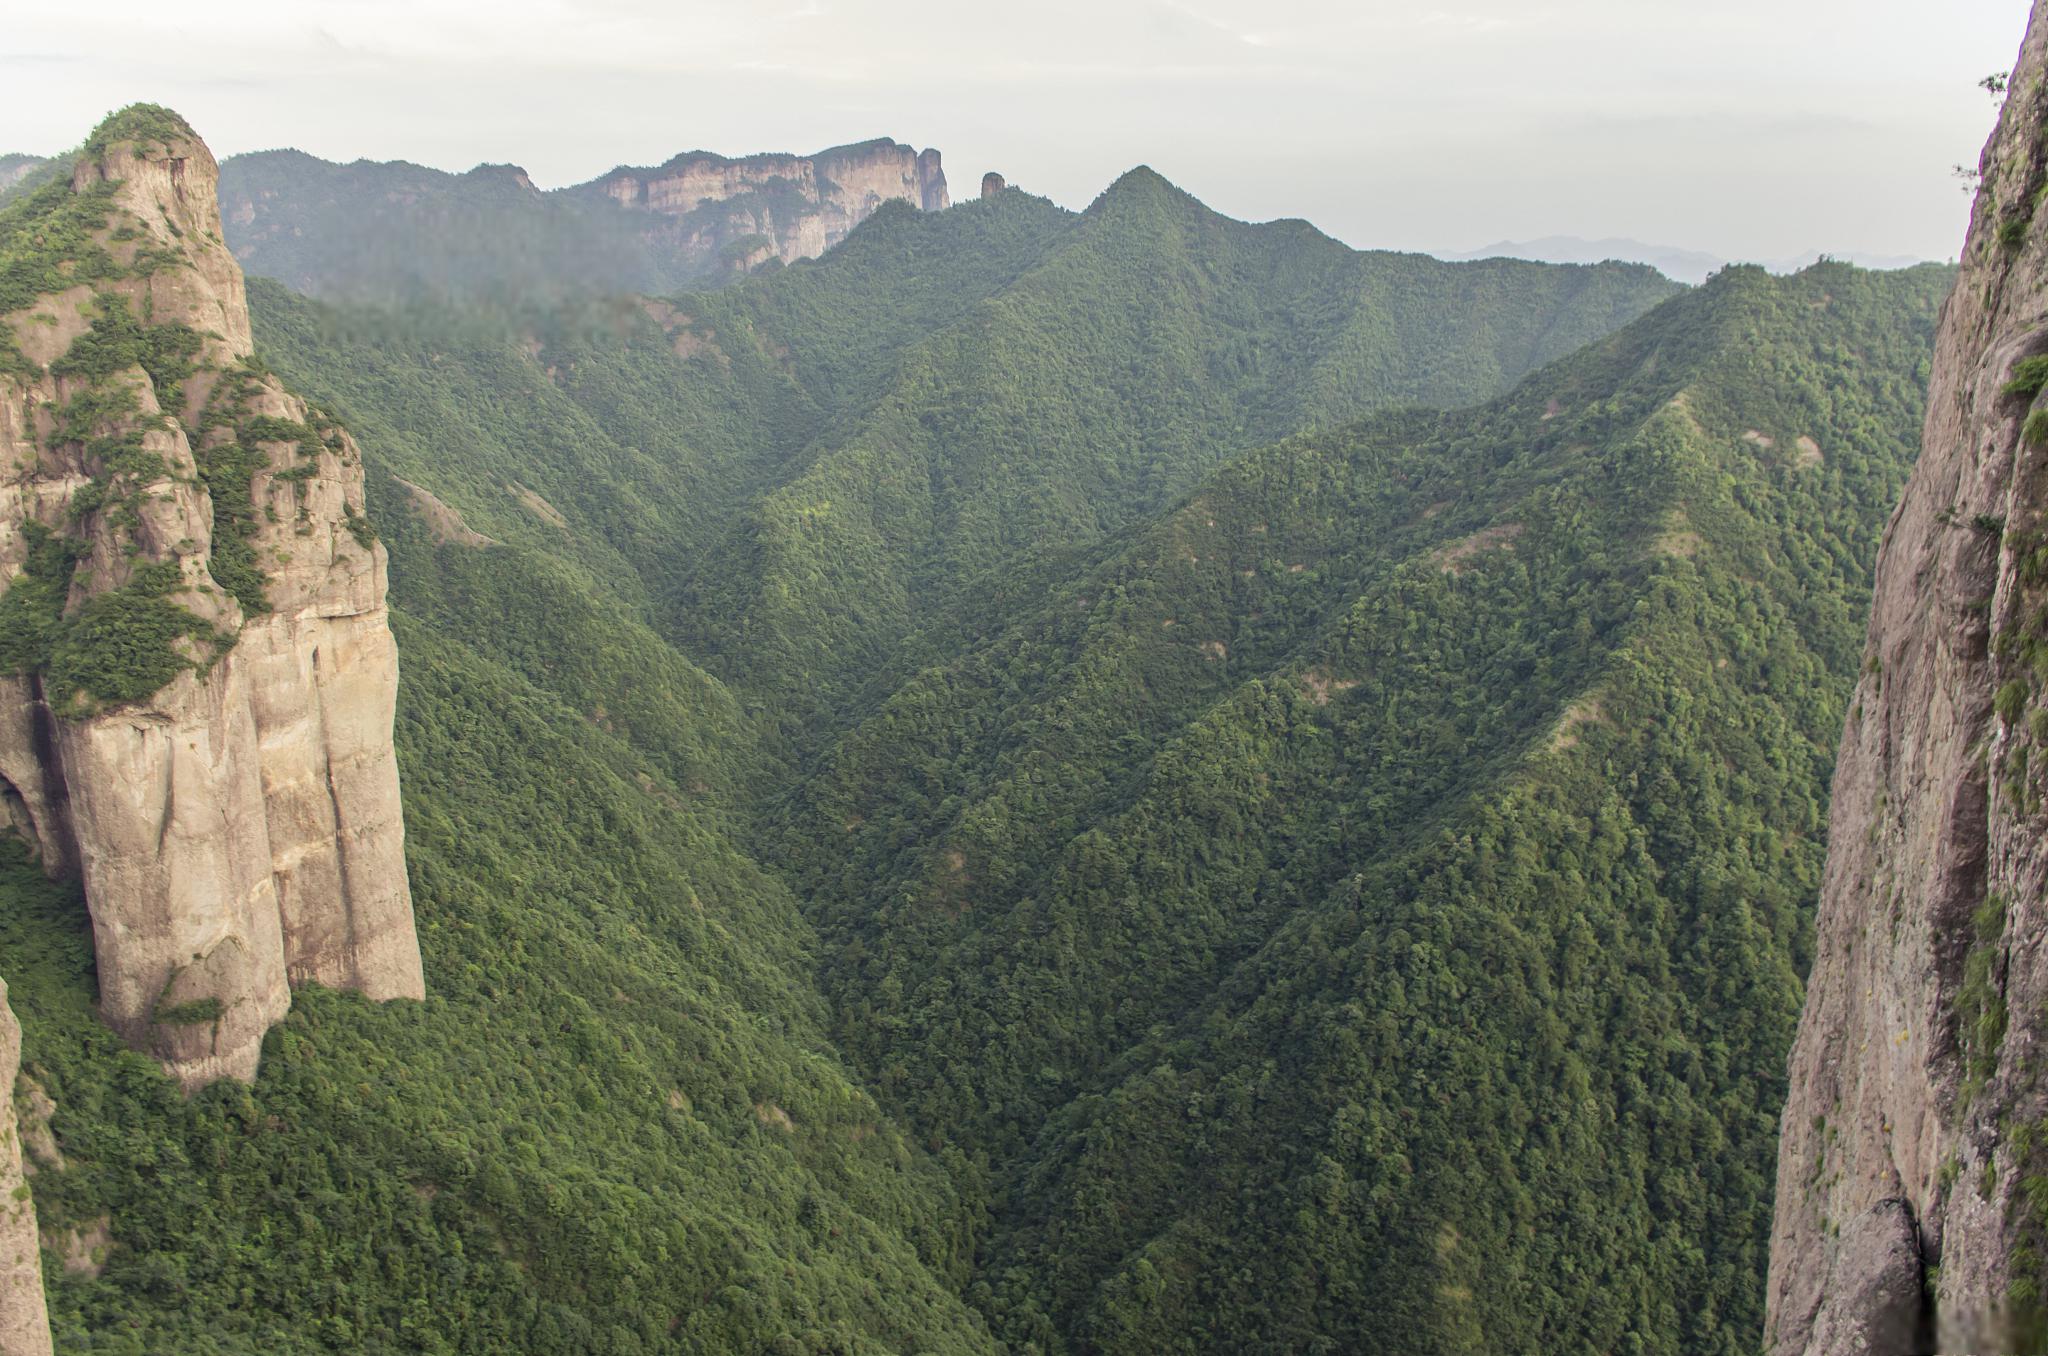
(1441, 129)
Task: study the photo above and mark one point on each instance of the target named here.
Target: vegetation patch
(32, 609)
(2029, 376)
(198, 1012)
(149, 125)
(121, 645)
(1980, 999)
(117, 341)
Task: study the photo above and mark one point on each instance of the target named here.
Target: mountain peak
(1141, 188)
(141, 123)
(1140, 180)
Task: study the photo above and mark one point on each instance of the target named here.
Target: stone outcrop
(992, 184)
(1916, 1113)
(24, 1320)
(777, 206)
(198, 720)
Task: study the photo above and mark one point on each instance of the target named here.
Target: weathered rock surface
(24, 1320)
(1915, 1112)
(237, 829)
(1874, 1299)
(801, 205)
(992, 184)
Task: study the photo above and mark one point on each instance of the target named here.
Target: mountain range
(1686, 266)
(394, 231)
(1038, 781)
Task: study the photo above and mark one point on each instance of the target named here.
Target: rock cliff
(197, 678)
(24, 1321)
(1911, 1214)
(777, 206)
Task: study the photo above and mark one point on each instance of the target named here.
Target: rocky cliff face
(199, 676)
(1911, 1214)
(24, 1321)
(777, 206)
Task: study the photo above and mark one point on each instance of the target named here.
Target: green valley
(1042, 782)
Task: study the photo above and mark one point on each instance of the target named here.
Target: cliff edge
(1911, 1212)
(787, 207)
(197, 677)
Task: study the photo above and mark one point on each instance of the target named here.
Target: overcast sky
(1748, 128)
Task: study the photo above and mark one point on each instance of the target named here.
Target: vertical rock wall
(803, 205)
(237, 828)
(1915, 1123)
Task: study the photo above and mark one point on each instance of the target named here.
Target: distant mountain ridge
(17, 171)
(387, 230)
(822, 197)
(15, 167)
(1687, 266)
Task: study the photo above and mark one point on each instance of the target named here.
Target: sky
(1745, 128)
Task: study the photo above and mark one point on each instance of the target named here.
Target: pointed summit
(1141, 183)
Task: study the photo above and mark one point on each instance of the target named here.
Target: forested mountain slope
(1367, 908)
(799, 470)
(1156, 339)
(617, 1121)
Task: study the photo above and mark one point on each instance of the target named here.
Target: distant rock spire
(992, 184)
